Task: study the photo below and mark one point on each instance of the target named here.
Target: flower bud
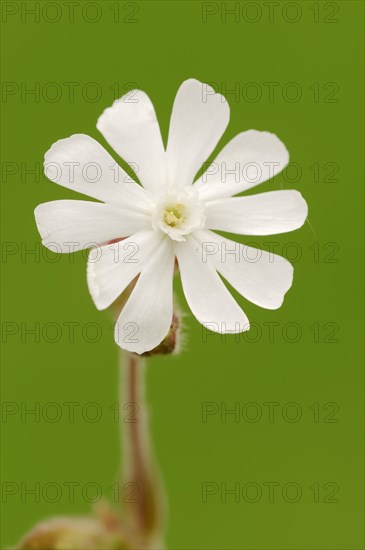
(170, 344)
(72, 534)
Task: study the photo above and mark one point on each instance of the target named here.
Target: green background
(166, 43)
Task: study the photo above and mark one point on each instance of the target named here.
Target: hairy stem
(141, 491)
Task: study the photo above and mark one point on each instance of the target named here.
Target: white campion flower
(170, 216)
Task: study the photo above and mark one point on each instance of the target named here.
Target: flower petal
(261, 277)
(208, 298)
(264, 214)
(247, 160)
(130, 126)
(199, 118)
(67, 226)
(80, 163)
(147, 316)
(112, 267)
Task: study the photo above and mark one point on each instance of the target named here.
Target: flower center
(177, 212)
(174, 215)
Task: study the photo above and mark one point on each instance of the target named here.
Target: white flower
(169, 216)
